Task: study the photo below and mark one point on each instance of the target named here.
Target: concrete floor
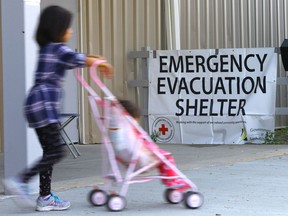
(235, 180)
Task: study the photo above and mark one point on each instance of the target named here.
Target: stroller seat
(126, 140)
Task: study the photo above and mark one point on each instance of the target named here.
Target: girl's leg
(45, 182)
(53, 152)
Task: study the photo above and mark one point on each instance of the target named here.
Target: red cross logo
(163, 129)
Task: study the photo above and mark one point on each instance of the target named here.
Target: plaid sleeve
(71, 59)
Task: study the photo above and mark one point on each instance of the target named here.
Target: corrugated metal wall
(215, 24)
(233, 23)
(113, 28)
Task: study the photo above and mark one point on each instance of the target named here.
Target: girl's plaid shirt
(42, 104)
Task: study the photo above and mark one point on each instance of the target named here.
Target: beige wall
(113, 28)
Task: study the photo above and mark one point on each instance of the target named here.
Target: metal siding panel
(273, 22)
(252, 23)
(115, 28)
(236, 23)
(239, 24)
(228, 24)
(201, 24)
(231, 22)
(140, 25)
(220, 26)
(244, 24)
(130, 44)
(280, 21)
(118, 46)
(210, 27)
(194, 24)
(266, 21)
(153, 23)
(259, 23)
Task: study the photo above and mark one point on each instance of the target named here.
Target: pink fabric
(164, 170)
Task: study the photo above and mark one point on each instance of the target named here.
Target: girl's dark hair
(131, 108)
(53, 23)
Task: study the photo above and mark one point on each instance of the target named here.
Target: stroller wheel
(116, 203)
(193, 200)
(98, 197)
(173, 196)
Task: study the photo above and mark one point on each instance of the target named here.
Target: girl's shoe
(15, 187)
(52, 203)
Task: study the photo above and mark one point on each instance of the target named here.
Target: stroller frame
(116, 201)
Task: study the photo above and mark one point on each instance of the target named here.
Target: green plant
(281, 136)
(155, 135)
(269, 138)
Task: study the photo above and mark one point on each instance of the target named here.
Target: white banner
(224, 96)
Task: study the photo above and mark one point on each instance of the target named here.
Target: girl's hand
(106, 69)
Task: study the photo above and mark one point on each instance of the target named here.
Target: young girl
(43, 102)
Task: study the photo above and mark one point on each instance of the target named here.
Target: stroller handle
(93, 75)
(95, 78)
(84, 83)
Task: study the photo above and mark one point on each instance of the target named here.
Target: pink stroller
(129, 157)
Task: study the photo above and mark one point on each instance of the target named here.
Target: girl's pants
(53, 152)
